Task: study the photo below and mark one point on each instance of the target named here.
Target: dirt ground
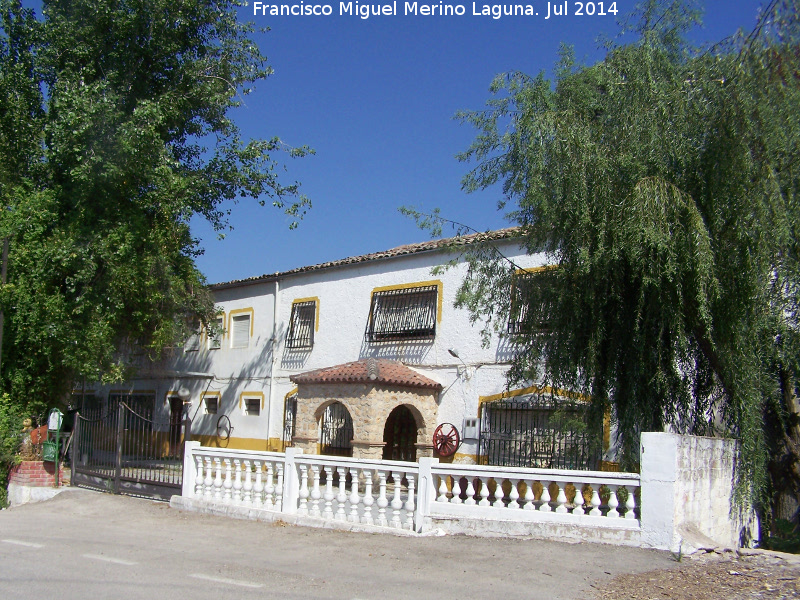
(711, 576)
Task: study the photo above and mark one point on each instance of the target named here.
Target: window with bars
(211, 404)
(527, 291)
(403, 314)
(301, 325)
(240, 334)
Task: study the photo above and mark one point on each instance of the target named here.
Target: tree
(663, 182)
(115, 130)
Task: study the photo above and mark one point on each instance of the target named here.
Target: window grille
(301, 326)
(241, 331)
(403, 314)
(252, 406)
(539, 432)
(527, 290)
(289, 419)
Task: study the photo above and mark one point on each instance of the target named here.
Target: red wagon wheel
(446, 439)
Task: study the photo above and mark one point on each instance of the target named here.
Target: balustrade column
(397, 503)
(613, 502)
(208, 484)
(269, 488)
(484, 493)
(258, 487)
(545, 498)
(247, 488)
(442, 497)
(630, 504)
(595, 512)
(315, 492)
(237, 483)
(470, 492)
(341, 498)
(368, 499)
(410, 503)
(218, 479)
(278, 486)
(513, 495)
(456, 499)
(328, 512)
(529, 496)
(498, 494)
(198, 480)
(382, 501)
(228, 483)
(561, 498)
(303, 494)
(579, 501)
(354, 499)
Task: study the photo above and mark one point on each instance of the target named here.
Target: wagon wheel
(224, 428)
(446, 439)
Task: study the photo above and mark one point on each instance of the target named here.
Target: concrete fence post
(659, 474)
(425, 492)
(291, 485)
(189, 473)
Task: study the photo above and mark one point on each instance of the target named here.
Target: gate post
(118, 471)
(291, 486)
(189, 472)
(76, 441)
(425, 492)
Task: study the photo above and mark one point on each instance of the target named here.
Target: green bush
(10, 426)
(785, 538)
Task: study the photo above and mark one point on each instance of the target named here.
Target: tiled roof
(369, 370)
(463, 240)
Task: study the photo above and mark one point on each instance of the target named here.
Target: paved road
(84, 544)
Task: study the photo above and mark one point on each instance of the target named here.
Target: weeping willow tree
(663, 182)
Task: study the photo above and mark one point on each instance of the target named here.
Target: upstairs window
(301, 325)
(215, 334)
(403, 314)
(252, 406)
(211, 404)
(528, 301)
(241, 327)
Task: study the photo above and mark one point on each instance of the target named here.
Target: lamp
(184, 394)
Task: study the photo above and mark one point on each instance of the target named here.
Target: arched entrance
(400, 435)
(336, 431)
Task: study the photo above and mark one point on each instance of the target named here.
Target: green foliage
(10, 427)
(663, 182)
(115, 131)
(786, 537)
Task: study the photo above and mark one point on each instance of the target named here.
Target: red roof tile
(446, 243)
(369, 370)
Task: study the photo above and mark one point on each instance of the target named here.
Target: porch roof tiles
(369, 370)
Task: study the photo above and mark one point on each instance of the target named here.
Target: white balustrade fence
(402, 495)
(511, 493)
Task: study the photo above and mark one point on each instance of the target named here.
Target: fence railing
(405, 495)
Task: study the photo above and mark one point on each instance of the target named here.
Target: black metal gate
(125, 450)
(400, 435)
(539, 432)
(336, 432)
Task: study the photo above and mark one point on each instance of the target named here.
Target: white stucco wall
(344, 296)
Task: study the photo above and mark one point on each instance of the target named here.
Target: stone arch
(401, 434)
(335, 426)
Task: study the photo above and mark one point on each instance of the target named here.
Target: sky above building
(376, 98)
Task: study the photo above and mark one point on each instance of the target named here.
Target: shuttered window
(403, 314)
(301, 326)
(215, 337)
(240, 336)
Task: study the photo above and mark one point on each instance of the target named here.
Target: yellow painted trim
(406, 286)
(244, 395)
(313, 299)
(241, 311)
(233, 443)
(291, 393)
(529, 390)
(535, 269)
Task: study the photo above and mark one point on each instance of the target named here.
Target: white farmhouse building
(364, 356)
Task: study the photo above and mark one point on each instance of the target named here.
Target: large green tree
(115, 130)
(663, 182)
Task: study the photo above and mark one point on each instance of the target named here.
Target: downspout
(274, 359)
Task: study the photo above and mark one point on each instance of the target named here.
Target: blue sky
(375, 98)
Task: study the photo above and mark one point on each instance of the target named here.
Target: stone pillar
(307, 445)
(368, 449)
(424, 450)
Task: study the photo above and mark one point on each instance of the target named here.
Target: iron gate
(336, 432)
(539, 432)
(125, 450)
